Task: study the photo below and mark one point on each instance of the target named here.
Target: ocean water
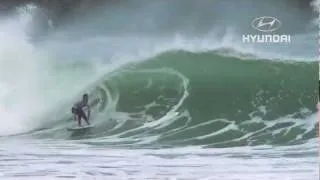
(174, 92)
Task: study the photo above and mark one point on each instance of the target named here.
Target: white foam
(29, 84)
(50, 159)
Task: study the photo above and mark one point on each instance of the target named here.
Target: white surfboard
(80, 128)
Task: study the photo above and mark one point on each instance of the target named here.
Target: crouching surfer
(78, 110)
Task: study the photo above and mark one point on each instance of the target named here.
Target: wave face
(183, 98)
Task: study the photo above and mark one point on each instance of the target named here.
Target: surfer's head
(85, 97)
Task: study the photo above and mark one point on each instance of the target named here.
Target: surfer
(78, 112)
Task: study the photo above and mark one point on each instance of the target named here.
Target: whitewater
(174, 93)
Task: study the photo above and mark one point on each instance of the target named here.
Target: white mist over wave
(30, 84)
(18, 75)
(142, 27)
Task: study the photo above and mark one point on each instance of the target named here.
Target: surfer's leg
(77, 115)
(84, 116)
(79, 120)
(78, 111)
(87, 121)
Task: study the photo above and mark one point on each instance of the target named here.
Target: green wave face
(182, 98)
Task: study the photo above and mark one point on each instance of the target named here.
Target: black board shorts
(78, 111)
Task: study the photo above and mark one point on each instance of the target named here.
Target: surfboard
(80, 128)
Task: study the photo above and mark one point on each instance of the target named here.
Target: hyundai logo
(266, 24)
